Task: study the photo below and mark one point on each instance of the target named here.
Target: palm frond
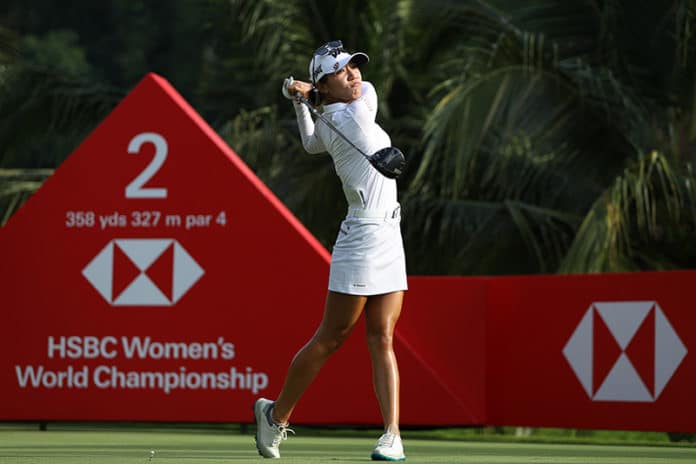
(649, 206)
(473, 237)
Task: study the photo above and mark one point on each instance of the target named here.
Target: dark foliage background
(542, 137)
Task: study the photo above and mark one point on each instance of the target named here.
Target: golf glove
(287, 82)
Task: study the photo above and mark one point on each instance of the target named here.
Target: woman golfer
(368, 271)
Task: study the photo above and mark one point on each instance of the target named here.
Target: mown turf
(133, 445)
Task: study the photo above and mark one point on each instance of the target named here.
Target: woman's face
(342, 86)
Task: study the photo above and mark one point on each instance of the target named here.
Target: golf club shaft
(328, 123)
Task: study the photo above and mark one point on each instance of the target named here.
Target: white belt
(375, 213)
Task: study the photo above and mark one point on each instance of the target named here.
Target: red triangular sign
(156, 179)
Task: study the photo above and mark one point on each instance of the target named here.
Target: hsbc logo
(624, 351)
(142, 272)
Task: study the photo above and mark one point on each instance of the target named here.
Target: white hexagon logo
(142, 272)
(624, 351)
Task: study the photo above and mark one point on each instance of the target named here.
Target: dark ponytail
(314, 97)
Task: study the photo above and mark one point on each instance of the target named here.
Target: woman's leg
(381, 314)
(341, 313)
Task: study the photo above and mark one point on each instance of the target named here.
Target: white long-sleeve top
(363, 186)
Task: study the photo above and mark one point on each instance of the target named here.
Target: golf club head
(390, 162)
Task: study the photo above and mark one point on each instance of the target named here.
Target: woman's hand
(291, 87)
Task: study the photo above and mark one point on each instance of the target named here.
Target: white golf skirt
(368, 256)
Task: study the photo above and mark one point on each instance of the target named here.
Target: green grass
(126, 444)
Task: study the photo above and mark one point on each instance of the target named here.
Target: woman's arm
(365, 108)
(369, 98)
(310, 140)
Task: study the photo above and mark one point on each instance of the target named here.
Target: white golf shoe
(389, 448)
(269, 433)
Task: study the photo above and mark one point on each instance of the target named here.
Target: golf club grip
(328, 123)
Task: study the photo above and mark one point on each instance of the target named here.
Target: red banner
(603, 351)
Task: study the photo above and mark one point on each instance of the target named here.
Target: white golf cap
(328, 63)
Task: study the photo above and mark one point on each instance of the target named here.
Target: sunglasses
(332, 48)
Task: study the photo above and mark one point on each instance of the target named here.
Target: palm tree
(549, 119)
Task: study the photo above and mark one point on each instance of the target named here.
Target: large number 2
(135, 189)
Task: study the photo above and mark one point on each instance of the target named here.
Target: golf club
(389, 161)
